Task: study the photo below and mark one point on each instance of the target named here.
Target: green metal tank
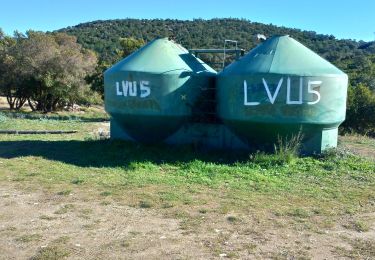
(282, 88)
(150, 94)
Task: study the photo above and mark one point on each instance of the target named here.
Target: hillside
(102, 36)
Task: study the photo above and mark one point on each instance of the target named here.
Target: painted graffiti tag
(272, 96)
(130, 89)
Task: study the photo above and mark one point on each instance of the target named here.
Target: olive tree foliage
(96, 79)
(49, 70)
(11, 84)
(58, 66)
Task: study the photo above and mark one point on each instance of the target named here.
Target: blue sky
(344, 19)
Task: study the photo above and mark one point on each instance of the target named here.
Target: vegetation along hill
(102, 36)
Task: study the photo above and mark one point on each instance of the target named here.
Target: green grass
(358, 225)
(57, 249)
(106, 193)
(160, 176)
(29, 238)
(86, 114)
(64, 192)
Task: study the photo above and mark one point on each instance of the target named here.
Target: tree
(361, 109)
(129, 45)
(11, 81)
(56, 67)
(47, 70)
(96, 79)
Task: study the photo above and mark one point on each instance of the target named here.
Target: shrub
(47, 70)
(360, 110)
(285, 151)
(288, 147)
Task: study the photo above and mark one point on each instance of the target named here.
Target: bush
(288, 147)
(3, 117)
(360, 115)
(47, 70)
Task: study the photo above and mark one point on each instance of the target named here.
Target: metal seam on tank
(274, 54)
(285, 122)
(182, 48)
(342, 74)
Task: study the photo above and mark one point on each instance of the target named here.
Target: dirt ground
(360, 145)
(35, 224)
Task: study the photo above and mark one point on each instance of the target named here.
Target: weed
(64, 192)
(327, 223)
(268, 161)
(86, 211)
(187, 201)
(232, 219)
(361, 226)
(64, 209)
(124, 244)
(335, 153)
(167, 205)
(232, 255)
(250, 247)
(190, 224)
(286, 150)
(106, 193)
(19, 178)
(358, 225)
(56, 250)
(100, 134)
(134, 233)
(3, 117)
(29, 238)
(77, 181)
(278, 212)
(144, 204)
(299, 213)
(203, 211)
(288, 147)
(45, 217)
(11, 228)
(361, 249)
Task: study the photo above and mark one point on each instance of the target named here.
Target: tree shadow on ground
(108, 153)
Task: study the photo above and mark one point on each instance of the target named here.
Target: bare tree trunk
(32, 106)
(20, 102)
(54, 104)
(10, 100)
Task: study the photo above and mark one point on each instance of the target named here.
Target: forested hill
(103, 36)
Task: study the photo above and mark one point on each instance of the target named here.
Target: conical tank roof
(161, 56)
(282, 55)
